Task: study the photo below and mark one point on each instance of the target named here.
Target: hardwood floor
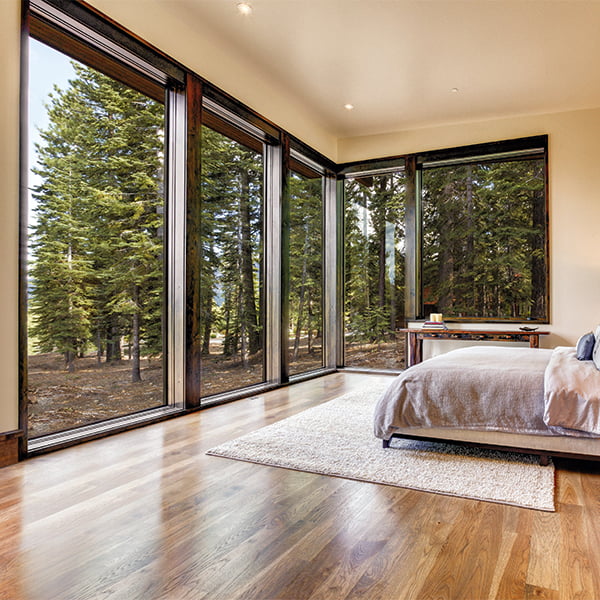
(148, 515)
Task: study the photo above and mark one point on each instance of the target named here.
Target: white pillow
(596, 355)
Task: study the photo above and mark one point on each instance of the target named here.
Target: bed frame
(544, 446)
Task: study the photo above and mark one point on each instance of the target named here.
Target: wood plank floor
(147, 515)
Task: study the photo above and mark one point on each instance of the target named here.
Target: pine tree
(374, 256)
(61, 268)
(100, 204)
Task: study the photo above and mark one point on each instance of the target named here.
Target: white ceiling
(397, 61)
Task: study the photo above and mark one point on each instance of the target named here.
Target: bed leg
(386, 443)
(544, 460)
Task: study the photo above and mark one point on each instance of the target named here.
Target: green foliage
(96, 247)
(372, 325)
(232, 253)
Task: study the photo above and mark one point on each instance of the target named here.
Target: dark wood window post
(193, 249)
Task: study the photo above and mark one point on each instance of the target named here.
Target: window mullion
(273, 283)
(331, 315)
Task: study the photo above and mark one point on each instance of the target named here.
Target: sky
(47, 68)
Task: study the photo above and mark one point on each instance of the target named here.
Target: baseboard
(9, 447)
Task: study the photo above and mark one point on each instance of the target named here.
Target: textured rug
(336, 438)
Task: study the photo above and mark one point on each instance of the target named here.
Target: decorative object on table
(336, 438)
(435, 322)
(527, 328)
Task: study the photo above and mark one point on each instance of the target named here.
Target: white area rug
(336, 438)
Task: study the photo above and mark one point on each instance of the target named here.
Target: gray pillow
(585, 346)
(596, 355)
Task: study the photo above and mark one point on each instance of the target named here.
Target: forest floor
(385, 355)
(59, 400)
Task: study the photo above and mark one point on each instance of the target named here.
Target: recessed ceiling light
(244, 8)
(454, 90)
(349, 106)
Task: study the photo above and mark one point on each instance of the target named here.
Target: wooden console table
(416, 337)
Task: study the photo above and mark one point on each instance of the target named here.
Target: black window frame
(527, 148)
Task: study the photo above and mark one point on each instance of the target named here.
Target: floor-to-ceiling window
(305, 326)
(374, 270)
(101, 226)
(232, 261)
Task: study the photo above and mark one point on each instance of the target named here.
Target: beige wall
(9, 223)
(574, 156)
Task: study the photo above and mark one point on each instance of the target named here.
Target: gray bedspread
(485, 388)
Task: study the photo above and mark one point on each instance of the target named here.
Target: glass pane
(96, 292)
(305, 328)
(374, 271)
(232, 259)
(484, 240)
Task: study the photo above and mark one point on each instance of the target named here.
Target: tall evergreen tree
(100, 202)
(61, 268)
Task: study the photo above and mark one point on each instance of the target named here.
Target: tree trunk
(244, 333)
(228, 345)
(468, 266)
(390, 233)
(538, 259)
(366, 272)
(206, 337)
(206, 307)
(70, 361)
(249, 315)
(136, 375)
(110, 347)
(309, 330)
(113, 345)
(381, 243)
(445, 268)
(98, 346)
(227, 335)
(302, 296)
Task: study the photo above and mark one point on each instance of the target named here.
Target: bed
(538, 401)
